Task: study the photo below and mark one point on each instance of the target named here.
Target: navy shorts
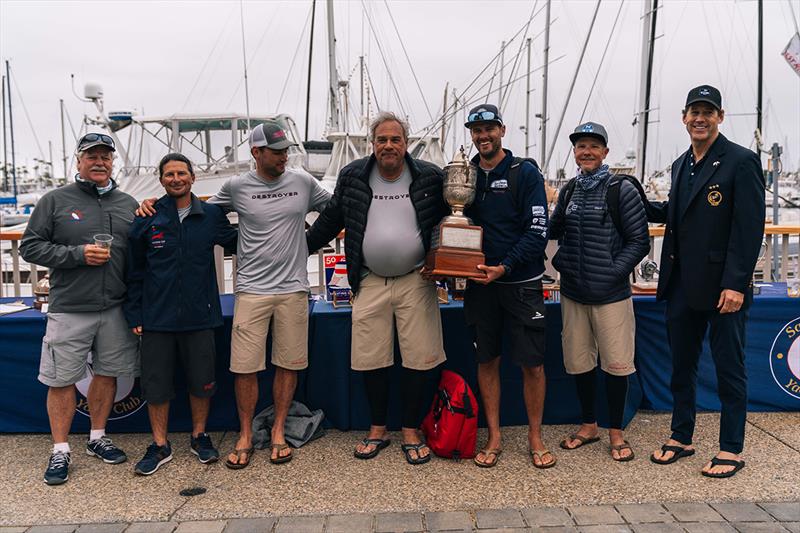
(161, 352)
(510, 313)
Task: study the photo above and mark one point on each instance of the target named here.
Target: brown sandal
(618, 448)
(488, 452)
(238, 452)
(280, 459)
(540, 454)
(582, 441)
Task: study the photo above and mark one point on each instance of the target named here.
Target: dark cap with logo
(90, 140)
(483, 113)
(704, 93)
(271, 135)
(589, 129)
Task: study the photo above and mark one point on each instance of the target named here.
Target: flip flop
(280, 459)
(488, 452)
(379, 445)
(239, 452)
(420, 460)
(540, 454)
(678, 452)
(583, 441)
(619, 447)
(716, 461)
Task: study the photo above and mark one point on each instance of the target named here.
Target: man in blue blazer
(715, 222)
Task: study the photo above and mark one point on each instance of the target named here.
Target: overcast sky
(166, 57)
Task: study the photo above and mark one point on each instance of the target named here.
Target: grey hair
(388, 116)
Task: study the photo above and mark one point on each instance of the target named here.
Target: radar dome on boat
(93, 91)
(120, 115)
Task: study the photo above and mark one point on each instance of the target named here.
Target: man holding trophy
(511, 207)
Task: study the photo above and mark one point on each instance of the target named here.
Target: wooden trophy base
(454, 262)
(644, 287)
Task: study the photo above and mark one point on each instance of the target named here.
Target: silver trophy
(459, 188)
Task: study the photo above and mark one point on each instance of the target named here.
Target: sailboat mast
(333, 77)
(310, 56)
(760, 74)
(244, 62)
(63, 138)
(544, 87)
(648, 45)
(5, 153)
(528, 98)
(11, 130)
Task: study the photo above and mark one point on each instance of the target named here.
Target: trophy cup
(456, 244)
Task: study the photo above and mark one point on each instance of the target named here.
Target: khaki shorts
(411, 302)
(252, 315)
(608, 328)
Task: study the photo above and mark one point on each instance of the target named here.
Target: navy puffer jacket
(594, 260)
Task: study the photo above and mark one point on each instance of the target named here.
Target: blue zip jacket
(172, 282)
(514, 228)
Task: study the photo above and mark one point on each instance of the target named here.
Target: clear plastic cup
(103, 240)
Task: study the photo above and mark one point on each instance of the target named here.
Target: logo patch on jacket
(157, 239)
(499, 185)
(76, 215)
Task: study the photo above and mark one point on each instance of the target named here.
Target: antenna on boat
(244, 61)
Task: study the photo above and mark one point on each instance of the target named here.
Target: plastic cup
(103, 240)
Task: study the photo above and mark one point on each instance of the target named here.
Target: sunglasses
(482, 115)
(94, 137)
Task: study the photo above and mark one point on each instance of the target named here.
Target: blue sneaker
(203, 449)
(105, 450)
(57, 468)
(154, 457)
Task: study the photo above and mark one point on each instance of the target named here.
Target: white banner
(792, 53)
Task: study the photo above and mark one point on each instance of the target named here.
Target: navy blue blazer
(718, 232)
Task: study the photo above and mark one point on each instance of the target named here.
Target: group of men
(157, 283)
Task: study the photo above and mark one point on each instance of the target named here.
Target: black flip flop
(716, 461)
(379, 445)
(678, 452)
(416, 447)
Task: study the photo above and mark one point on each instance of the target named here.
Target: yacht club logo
(784, 358)
(127, 400)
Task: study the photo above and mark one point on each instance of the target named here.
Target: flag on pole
(792, 53)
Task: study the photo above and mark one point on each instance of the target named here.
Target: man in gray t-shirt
(272, 281)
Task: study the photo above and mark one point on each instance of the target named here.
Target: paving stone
(456, 520)
(758, 527)
(300, 524)
(102, 528)
(665, 527)
(794, 527)
(693, 512)
(547, 516)
(152, 527)
(504, 530)
(708, 527)
(53, 529)
(742, 512)
(586, 515)
(397, 522)
(350, 523)
(201, 526)
(644, 513)
(498, 518)
(783, 512)
(605, 528)
(249, 525)
(553, 529)
(10, 529)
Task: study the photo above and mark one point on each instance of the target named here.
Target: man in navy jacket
(715, 222)
(173, 304)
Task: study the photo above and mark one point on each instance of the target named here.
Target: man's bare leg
(101, 398)
(60, 411)
(200, 408)
(159, 419)
(246, 389)
(489, 383)
(283, 387)
(534, 387)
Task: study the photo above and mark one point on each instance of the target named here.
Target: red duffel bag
(451, 426)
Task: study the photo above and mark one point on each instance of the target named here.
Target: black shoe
(57, 468)
(154, 457)
(105, 450)
(204, 449)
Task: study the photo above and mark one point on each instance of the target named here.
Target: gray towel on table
(302, 425)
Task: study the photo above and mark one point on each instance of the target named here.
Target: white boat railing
(13, 276)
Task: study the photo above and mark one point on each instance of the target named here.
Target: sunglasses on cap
(482, 115)
(94, 137)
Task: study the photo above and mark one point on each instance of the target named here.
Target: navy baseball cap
(483, 113)
(589, 129)
(271, 135)
(90, 140)
(704, 93)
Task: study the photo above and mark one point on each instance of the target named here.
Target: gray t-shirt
(272, 250)
(392, 240)
(183, 212)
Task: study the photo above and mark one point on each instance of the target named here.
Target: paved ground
(325, 489)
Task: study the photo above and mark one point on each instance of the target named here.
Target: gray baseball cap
(271, 135)
(589, 129)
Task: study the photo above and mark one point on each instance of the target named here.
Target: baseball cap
(271, 135)
(589, 129)
(90, 140)
(483, 113)
(704, 93)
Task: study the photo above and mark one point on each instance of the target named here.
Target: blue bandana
(587, 182)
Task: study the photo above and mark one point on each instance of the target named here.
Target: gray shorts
(70, 337)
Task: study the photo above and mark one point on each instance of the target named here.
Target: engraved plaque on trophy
(456, 244)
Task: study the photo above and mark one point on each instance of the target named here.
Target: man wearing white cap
(272, 283)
